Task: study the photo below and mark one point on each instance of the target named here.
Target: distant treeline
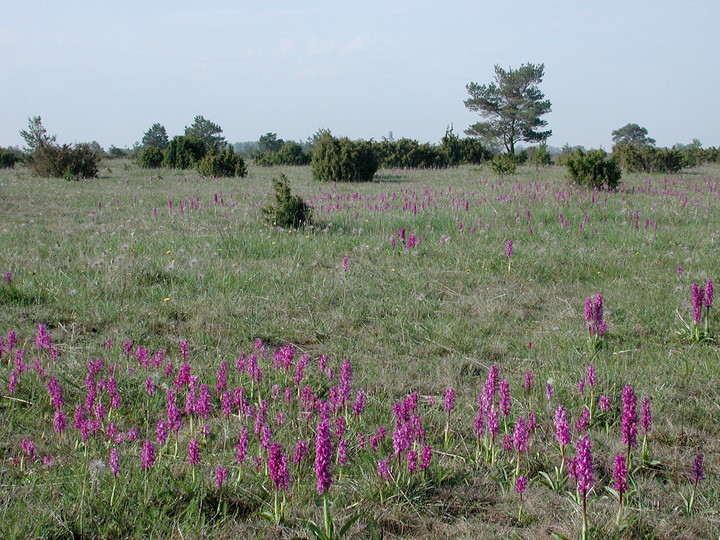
(633, 151)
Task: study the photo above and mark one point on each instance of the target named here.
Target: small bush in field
(288, 211)
(151, 158)
(291, 153)
(184, 152)
(646, 158)
(503, 164)
(592, 169)
(71, 162)
(8, 158)
(225, 164)
(343, 160)
(540, 156)
(50, 160)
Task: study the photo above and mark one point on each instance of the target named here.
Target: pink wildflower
(147, 455)
(221, 474)
(323, 456)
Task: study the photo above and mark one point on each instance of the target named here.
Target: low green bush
(225, 164)
(343, 160)
(593, 169)
(151, 158)
(71, 162)
(503, 164)
(8, 158)
(288, 210)
(645, 158)
(291, 153)
(184, 152)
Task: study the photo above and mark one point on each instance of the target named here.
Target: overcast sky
(107, 70)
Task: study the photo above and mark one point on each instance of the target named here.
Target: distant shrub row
(290, 153)
(646, 158)
(9, 157)
(186, 152)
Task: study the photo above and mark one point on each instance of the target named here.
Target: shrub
(288, 211)
(71, 162)
(645, 158)
(184, 152)
(343, 160)
(50, 160)
(115, 152)
(151, 157)
(8, 158)
(540, 156)
(410, 154)
(225, 164)
(473, 151)
(265, 159)
(592, 169)
(291, 153)
(666, 160)
(503, 164)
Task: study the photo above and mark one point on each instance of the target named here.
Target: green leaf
(349, 523)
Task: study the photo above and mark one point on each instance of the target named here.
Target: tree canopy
(512, 105)
(36, 136)
(208, 132)
(632, 134)
(270, 143)
(156, 137)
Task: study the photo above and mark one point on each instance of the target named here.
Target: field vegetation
(446, 353)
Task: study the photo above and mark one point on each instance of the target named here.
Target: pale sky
(106, 70)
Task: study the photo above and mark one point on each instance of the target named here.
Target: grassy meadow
(126, 267)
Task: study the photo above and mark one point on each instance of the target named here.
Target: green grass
(107, 259)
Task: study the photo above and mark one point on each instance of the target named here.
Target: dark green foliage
(288, 210)
(503, 164)
(291, 153)
(694, 154)
(48, 159)
(270, 143)
(540, 156)
(184, 152)
(266, 159)
(208, 132)
(451, 146)
(225, 164)
(155, 137)
(71, 162)
(151, 157)
(632, 134)
(409, 154)
(566, 151)
(667, 160)
(593, 169)
(512, 105)
(458, 151)
(343, 160)
(115, 152)
(314, 139)
(473, 151)
(645, 158)
(636, 152)
(8, 158)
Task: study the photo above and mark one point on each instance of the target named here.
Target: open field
(137, 261)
